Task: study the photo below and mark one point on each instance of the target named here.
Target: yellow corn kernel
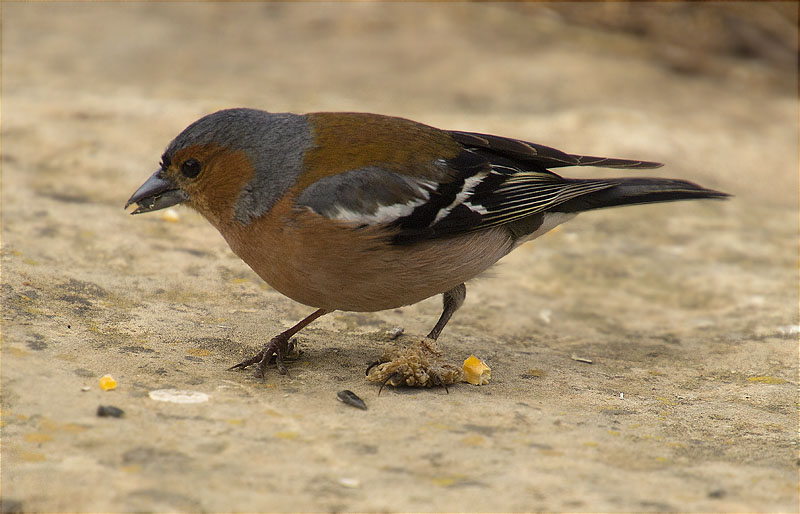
(476, 372)
(107, 383)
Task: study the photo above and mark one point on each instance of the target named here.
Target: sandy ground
(687, 311)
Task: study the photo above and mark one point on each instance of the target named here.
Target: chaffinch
(364, 212)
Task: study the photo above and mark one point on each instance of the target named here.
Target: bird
(362, 212)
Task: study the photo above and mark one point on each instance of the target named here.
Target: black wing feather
(544, 156)
(501, 181)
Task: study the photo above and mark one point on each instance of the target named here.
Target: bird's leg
(452, 300)
(277, 347)
(421, 364)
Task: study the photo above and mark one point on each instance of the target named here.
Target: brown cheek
(215, 191)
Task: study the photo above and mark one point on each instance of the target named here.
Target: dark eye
(190, 168)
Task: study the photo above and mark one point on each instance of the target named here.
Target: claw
(437, 380)
(390, 377)
(248, 362)
(279, 364)
(371, 366)
(278, 346)
(272, 352)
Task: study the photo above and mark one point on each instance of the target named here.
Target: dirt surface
(687, 311)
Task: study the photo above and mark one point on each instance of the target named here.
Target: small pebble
(86, 388)
(109, 411)
(581, 359)
(178, 396)
(351, 398)
(352, 483)
(395, 332)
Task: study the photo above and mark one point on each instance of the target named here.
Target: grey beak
(156, 193)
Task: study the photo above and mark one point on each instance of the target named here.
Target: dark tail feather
(519, 152)
(608, 162)
(631, 191)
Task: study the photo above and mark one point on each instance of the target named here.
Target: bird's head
(231, 165)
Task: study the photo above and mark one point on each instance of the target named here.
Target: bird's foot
(273, 352)
(419, 365)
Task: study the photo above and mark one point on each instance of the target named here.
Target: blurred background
(689, 309)
(613, 72)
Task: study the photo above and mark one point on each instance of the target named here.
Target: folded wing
(492, 182)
